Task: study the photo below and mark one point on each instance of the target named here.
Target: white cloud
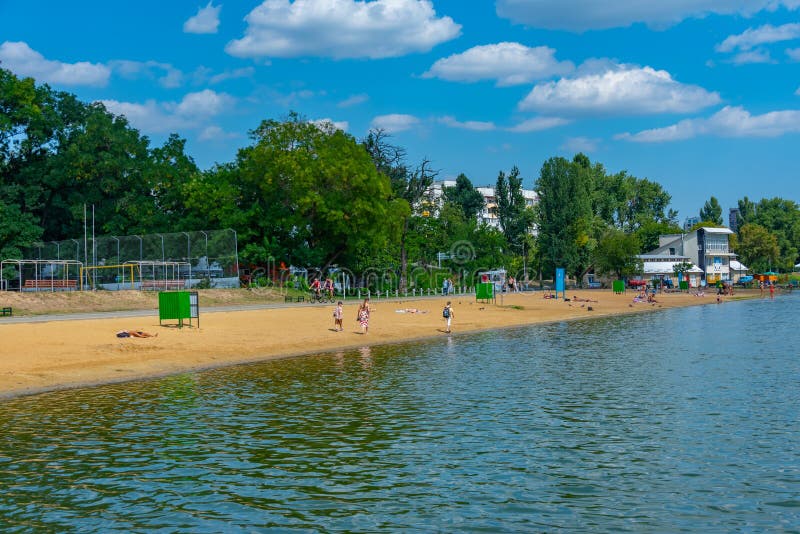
(582, 15)
(793, 53)
(167, 75)
(623, 90)
(751, 38)
(395, 122)
(21, 59)
(342, 29)
(328, 125)
(161, 117)
(353, 100)
(580, 144)
(215, 133)
(752, 56)
(537, 124)
(507, 63)
(206, 20)
(477, 126)
(728, 122)
(244, 72)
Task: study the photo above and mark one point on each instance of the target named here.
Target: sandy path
(52, 355)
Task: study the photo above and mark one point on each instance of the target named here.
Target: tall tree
(564, 215)
(711, 211)
(408, 186)
(516, 219)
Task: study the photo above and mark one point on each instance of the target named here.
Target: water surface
(678, 420)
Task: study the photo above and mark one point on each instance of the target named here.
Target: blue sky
(702, 96)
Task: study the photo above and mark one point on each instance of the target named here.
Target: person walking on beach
(338, 313)
(447, 314)
(363, 316)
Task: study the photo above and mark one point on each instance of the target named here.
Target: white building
(706, 248)
(488, 215)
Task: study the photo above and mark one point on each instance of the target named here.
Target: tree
(516, 219)
(17, 231)
(757, 248)
(649, 232)
(616, 254)
(408, 186)
(564, 215)
(781, 217)
(468, 199)
(712, 211)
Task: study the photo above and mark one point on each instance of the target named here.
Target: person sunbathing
(135, 333)
(576, 299)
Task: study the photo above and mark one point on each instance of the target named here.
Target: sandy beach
(61, 354)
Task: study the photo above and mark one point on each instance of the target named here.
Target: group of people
(365, 310)
(317, 287)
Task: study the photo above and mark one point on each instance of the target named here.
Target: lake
(682, 419)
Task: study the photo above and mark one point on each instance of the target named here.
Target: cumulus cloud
(215, 133)
(622, 89)
(342, 29)
(162, 117)
(164, 73)
(538, 124)
(507, 63)
(353, 100)
(730, 121)
(580, 144)
(21, 59)
(753, 37)
(752, 56)
(395, 122)
(793, 53)
(582, 15)
(478, 126)
(244, 72)
(206, 20)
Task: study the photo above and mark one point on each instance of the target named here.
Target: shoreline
(40, 357)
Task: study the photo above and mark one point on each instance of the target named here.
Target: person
(761, 287)
(363, 316)
(338, 313)
(316, 287)
(329, 287)
(772, 290)
(447, 314)
(575, 298)
(512, 284)
(135, 333)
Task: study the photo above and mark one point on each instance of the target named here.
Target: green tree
(616, 254)
(564, 215)
(17, 231)
(781, 217)
(516, 219)
(711, 211)
(648, 233)
(757, 248)
(468, 199)
(408, 187)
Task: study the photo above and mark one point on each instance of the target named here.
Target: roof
(737, 266)
(663, 257)
(665, 267)
(709, 230)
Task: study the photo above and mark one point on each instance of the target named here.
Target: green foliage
(649, 232)
(516, 219)
(616, 254)
(711, 211)
(757, 248)
(468, 199)
(704, 224)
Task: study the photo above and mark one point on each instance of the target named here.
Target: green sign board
(619, 286)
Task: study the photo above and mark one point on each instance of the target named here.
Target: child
(363, 316)
(448, 315)
(337, 317)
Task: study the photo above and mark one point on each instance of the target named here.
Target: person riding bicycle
(328, 287)
(316, 288)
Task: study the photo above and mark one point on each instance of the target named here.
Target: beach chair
(6, 311)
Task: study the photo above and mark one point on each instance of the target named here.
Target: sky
(701, 96)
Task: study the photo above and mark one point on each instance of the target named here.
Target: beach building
(434, 198)
(708, 249)
(662, 267)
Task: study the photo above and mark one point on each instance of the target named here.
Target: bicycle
(320, 298)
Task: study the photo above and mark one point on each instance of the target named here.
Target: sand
(37, 357)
